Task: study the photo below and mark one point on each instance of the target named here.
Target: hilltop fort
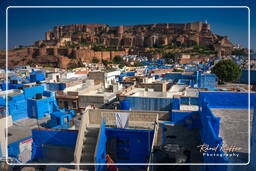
(81, 42)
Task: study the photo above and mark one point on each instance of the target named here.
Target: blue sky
(28, 25)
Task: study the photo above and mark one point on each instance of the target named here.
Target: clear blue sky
(29, 25)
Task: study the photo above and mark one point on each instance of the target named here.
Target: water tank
(62, 86)
(157, 76)
(125, 105)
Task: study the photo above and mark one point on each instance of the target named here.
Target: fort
(81, 42)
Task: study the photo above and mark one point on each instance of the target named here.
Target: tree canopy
(170, 57)
(226, 71)
(118, 60)
(239, 52)
(95, 60)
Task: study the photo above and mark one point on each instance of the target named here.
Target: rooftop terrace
(234, 129)
(23, 128)
(90, 123)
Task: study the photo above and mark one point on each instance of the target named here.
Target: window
(66, 104)
(74, 105)
(66, 119)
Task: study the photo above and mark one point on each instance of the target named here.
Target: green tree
(226, 71)
(98, 47)
(95, 60)
(117, 60)
(105, 62)
(121, 66)
(239, 52)
(83, 43)
(138, 64)
(170, 57)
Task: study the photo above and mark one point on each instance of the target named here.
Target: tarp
(122, 120)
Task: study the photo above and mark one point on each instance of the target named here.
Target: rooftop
(22, 128)
(97, 92)
(234, 128)
(142, 92)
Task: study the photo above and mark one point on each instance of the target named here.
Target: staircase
(89, 146)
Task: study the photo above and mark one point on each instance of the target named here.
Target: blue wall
(210, 123)
(210, 136)
(133, 146)
(208, 81)
(55, 86)
(202, 80)
(179, 117)
(176, 76)
(101, 148)
(183, 82)
(30, 93)
(227, 99)
(57, 120)
(244, 77)
(188, 100)
(37, 108)
(144, 103)
(176, 103)
(13, 148)
(36, 76)
(52, 137)
(17, 107)
(10, 86)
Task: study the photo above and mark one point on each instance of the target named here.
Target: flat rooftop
(234, 128)
(141, 92)
(192, 92)
(96, 93)
(23, 128)
(186, 138)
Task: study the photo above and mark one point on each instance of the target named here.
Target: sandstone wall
(87, 55)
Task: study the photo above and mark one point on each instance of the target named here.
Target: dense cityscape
(168, 93)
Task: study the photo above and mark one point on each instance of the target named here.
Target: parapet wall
(95, 116)
(228, 99)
